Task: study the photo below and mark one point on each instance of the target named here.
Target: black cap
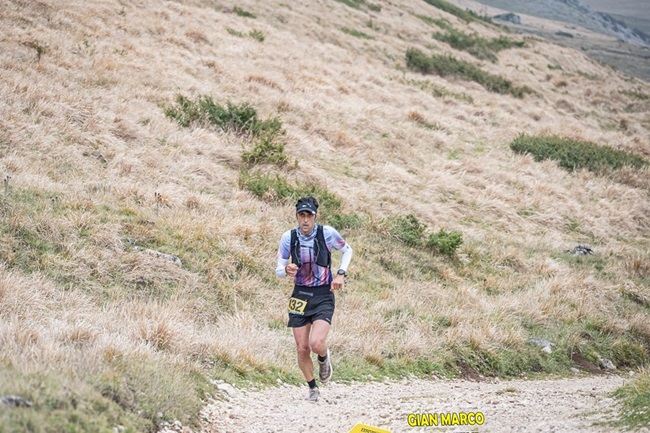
(307, 204)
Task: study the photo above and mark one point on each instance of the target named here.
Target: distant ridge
(623, 48)
(620, 29)
(574, 12)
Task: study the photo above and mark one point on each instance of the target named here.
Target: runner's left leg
(320, 329)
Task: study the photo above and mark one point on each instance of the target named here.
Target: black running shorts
(320, 306)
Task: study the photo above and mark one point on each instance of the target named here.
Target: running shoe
(325, 368)
(314, 393)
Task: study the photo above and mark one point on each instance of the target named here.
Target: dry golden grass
(93, 167)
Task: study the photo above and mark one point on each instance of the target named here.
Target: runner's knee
(318, 345)
(303, 350)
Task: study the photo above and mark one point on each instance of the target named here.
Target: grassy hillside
(189, 128)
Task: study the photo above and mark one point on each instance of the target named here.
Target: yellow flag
(362, 428)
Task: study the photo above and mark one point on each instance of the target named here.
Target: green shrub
(266, 151)
(476, 45)
(374, 7)
(345, 221)
(442, 23)
(356, 33)
(243, 13)
(356, 4)
(465, 15)
(503, 43)
(473, 44)
(411, 231)
(276, 189)
(574, 154)
(445, 242)
(257, 35)
(407, 229)
(564, 34)
(266, 186)
(235, 32)
(445, 65)
(416, 60)
(241, 118)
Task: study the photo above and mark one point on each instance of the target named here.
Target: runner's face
(306, 221)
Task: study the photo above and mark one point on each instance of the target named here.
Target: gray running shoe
(325, 368)
(314, 393)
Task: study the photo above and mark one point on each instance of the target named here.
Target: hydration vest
(323, 256)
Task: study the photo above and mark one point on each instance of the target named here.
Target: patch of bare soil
(580, 404)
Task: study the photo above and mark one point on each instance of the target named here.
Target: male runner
(311, 305)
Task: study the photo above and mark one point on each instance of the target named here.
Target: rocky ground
(579, 404)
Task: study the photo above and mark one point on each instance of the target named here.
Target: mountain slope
(100, 334)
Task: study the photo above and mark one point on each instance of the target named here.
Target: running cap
(307, 204)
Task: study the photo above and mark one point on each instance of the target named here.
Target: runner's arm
(281, 268)
(283, 255)
(339, 243)
(346, 257)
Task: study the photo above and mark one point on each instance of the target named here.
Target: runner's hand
(291, 269)
(338, 282)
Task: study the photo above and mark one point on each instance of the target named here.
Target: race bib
(297, 306)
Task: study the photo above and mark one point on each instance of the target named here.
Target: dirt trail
(578, 404)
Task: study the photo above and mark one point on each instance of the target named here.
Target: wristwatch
(341, 272)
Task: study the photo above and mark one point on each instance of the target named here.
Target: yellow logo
(362, 428)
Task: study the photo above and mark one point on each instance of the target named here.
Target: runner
(311, 305)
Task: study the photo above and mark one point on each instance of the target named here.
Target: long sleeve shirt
(311, 274)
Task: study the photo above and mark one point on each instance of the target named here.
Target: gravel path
(578, 404)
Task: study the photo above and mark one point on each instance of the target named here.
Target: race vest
(323, 257)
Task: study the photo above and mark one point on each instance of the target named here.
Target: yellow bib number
(297, 306)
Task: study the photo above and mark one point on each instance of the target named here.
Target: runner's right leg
(301, 335)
